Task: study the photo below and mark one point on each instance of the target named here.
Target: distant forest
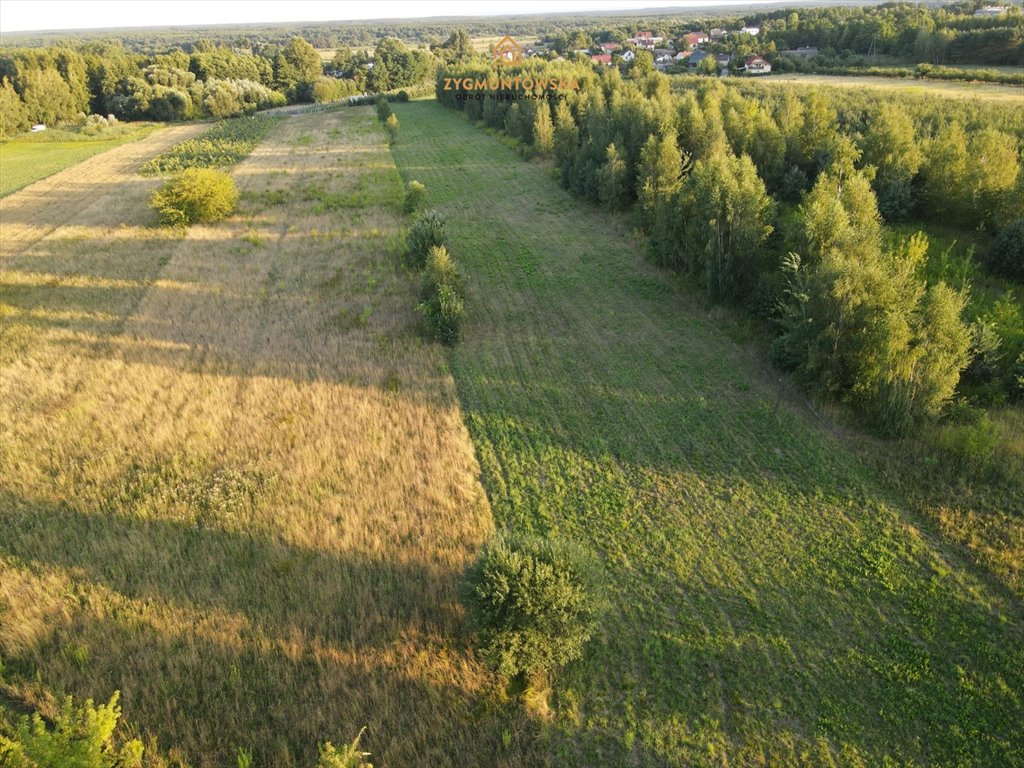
(169, 75)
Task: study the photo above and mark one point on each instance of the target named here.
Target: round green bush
(1006, 255)
(426, 232)
(532, 604)
(414, 194)
(197, 195)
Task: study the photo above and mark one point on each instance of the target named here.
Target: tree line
(781, 203)
(64, 84)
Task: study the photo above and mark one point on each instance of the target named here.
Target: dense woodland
(788, 202)
(64, 84)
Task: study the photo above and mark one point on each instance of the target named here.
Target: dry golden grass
(236, 485)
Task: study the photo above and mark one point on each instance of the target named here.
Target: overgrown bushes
(427, 232)
(199, 195)
(442, 300)
(392, 127)
(532, 603)
(1006, 255)
(226, 143)
(415, 193)
(81, 736)
(442, 296)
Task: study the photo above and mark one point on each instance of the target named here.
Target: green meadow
(768, 599)
(36, 156)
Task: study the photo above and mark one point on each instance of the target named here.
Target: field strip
(771, 602)
(236, 479)
(28, 215)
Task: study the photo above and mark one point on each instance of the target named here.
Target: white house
(991, 10)
(755, 31)
(755, 65)
(628, 55)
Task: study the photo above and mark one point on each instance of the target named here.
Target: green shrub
(197, 195)
(350, 756)
(442, 299)
(414, 194)
(383, 108)
(1006, 255)
(532, 604)
(392, 125)
(427, 231)
(81, 737)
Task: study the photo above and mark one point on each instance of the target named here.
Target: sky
(38, 15)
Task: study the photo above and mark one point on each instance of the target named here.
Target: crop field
(236, 485)
(769, 600)
(29, 159)
(1006, 94)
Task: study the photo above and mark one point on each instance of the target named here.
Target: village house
(697, 57)
(755, 31)
(682, 56)
(609, 47)
(717, 34)
(991, 10)
(693, 39)
(663, 58)
(628, 55)
(602, 58)
(645, 39)
(756, 65)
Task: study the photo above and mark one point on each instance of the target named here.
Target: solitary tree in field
(532, 604)
(392, 126)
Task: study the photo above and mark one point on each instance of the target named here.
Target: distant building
(602, 58)
(721, 59)
(756, 65)
(697, 57)
(628, 55)
(663, 59)
(806, 52)
(755, 31)
(694, 39)
(645, 39)
(991, 10)
(610, 47)
(717, 33)
(682, 56)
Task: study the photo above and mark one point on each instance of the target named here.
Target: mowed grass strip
(770, 602)
(25, 160)
(236, 485)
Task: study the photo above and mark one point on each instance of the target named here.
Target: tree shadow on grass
(346, 598)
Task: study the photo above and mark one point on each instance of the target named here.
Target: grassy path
(770, 602)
